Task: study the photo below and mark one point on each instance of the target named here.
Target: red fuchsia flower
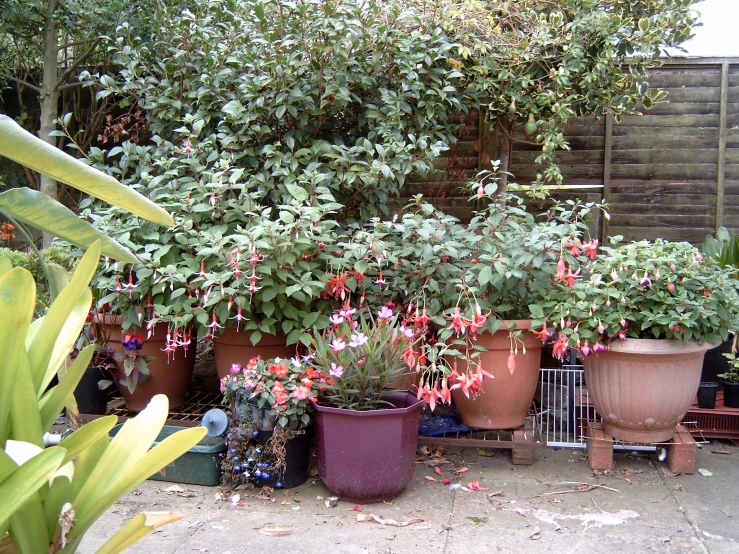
(478, 320)
(202, 269)
(253, 288)
(428, 395)
(570, 277)
(574, 247)
(459, 323)
(480, 191)
(560, 347)
(544, 334)
(239, 317)
(132, 342)
(336, 286)
(149, 305)
(598, 348)
(380, 281)
(139, 313)
(336, 319)
(214, 324)
(118, 286)
(468, 382)
(512, 362)
(559, 276)
(337, 345)
(385, 313)
(591, 249)
(621, 335)
(236, 368)
(444, 394)
(410, 357)
(188, 148)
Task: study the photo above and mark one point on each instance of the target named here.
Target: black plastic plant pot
(714, 362)
(90, 399)
(731, 395)
(297, 460)
(707, 395)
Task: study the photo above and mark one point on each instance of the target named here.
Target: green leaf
(140, 526)
(485, 276)
(17, 301)
(25, 481)
(52, 403)
(299, 193)
(87, 435)
(41, 211)
(23, 147)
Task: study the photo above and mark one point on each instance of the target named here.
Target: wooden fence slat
(721, 162)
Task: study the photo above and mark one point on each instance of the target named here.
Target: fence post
(607, 172)
(721, 169)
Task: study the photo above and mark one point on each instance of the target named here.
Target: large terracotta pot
(235, 347)
(504, 401)
(168, 375)
(368, 456)
(643, 387)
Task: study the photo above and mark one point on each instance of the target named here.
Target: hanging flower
(132, 342)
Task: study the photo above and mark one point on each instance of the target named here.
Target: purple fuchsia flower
(132, 342)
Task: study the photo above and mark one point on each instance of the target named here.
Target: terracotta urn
(642, 388)
(235, 347)
(169, 375)
(503, 401)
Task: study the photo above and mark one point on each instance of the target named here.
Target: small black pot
(90, 399)
(731, 395)
(707, 395)
(297, 459)
(714, 362)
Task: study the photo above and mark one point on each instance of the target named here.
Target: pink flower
(236, 368)
(358, 340)
(598, 348)
(385, 313)
(336, 319)
(302, 393)
(337, 345)
(336, 370)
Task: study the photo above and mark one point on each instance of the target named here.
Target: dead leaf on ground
(429, 478)
(720, 450)
(486, 453)
(536, 535)
(477, 519)
(446, 527)
(393, 522)
(496, 493)
(274, 530)
(354, 509)
(136, 492)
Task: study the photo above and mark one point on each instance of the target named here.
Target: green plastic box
(198, 466)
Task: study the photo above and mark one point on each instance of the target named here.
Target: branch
(20, 81)
(80, 59)
(70, 85)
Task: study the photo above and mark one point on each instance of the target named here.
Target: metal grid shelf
(495, 438)
(188, 414)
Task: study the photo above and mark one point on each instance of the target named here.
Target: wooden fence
(672, 172)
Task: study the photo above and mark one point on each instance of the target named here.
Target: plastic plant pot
(707, 395)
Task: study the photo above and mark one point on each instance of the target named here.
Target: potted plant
(724, 249)
(641, 314)
(475, 286)
(270, 436)
(366, 434)
(730, 380)
(89, 394)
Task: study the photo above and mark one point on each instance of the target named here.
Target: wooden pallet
(718, 423)
(681, 450)
(521, 442)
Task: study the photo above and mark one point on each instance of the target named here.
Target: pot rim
(415, 405)
(659, 346)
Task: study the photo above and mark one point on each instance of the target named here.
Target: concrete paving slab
(652, 511)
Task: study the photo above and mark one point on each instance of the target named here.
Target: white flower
(358, 340)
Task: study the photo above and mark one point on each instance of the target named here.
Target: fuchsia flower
(132, 342)
(214, 324)
(238, 317)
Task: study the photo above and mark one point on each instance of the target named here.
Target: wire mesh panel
(564, 406)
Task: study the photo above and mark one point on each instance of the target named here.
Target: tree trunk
(504, 135)
(49, 99)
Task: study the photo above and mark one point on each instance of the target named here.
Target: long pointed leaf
(41, 211)
(25, 416)
(23, 483)
(60, 492)
(17, 300)
(18, 144)
(87, 435)
(63, 322)
(86, 462)
(140, 526)
(53, 402)
(28, 527)
(155, 459)
(132, 441)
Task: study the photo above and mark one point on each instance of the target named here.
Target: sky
(717, 37)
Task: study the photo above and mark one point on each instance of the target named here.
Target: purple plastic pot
(366, 457)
